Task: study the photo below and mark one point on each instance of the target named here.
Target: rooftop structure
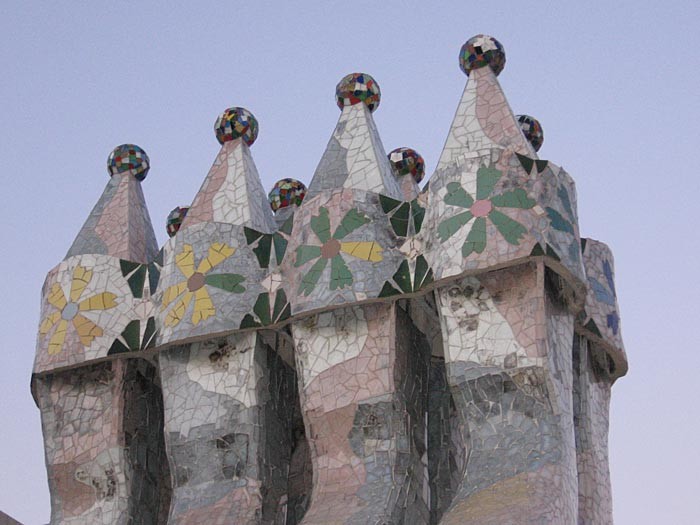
(358, 351)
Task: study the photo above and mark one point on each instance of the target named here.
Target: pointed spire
(232, 192)
(483, 118)
(355, 157)
(119, 224)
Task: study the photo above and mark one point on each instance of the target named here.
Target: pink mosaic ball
(128, 158)
(356, 88)
(532, 129)
(480, 51)
(234, 123)
(405, 161)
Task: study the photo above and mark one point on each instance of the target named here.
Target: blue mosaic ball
(128, 158)
(174, 220)
(405, 161)
(356, 88)
(234, 123)
(480, 51)
(532, 129)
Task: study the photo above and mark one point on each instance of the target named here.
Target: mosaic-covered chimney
(361, 351)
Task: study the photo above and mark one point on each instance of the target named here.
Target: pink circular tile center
(481, 208)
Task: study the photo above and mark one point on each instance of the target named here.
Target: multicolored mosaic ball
(532, 129)
(286, 192)
(405, 161)
(480, 51)
(128, 158)
(234, 123)
(356, 88)
(174, 220)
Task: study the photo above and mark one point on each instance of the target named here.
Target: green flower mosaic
(136, 274)
(556, 219)
(402, 214)
(403, 282)
(481, 208)
(265, 242)
(331, 249)
(266, 314)
(131, 340)
(527, 163)
(548, 251)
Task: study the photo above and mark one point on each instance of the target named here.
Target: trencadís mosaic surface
(361, 350)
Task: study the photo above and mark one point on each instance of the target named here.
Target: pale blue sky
(614, 85)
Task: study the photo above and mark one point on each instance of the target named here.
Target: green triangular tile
(525, 162)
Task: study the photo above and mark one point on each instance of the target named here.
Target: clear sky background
(614, 84)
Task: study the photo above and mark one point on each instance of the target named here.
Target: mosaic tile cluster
(364, 449)
(206, 287)
(174, 219)
(103, 436)
(358, 352)
(285, 193)
(355, 157)
(499, 361)
(406, 218)
(129, 158)
(484, 120)
(600, 319)
(236, 123)
(356, 88)
(498, 205)
(405, 161)
(481, 207)
(88, 305)
(119, 224)
(341, 250)
(232, 192)
(481, 51)
(227, 405)
(591, 416)
(532, 129)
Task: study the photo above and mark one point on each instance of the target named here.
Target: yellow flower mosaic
(194, 284)
(68, 310)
